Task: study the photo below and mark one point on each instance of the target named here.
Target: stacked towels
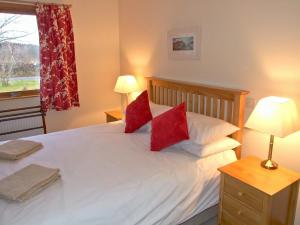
(17, 149)
(27, 182)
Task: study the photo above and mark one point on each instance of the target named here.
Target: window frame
(25, 9)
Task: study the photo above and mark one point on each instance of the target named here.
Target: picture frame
(184, 43)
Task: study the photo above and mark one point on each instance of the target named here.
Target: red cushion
(138, 113)
(169, 128)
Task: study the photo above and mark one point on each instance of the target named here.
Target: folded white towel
(27, 182)
(17, 149)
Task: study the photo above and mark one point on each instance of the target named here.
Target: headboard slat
(201, 104)
(196, 103)
(223, 103)
(154, 94)
(174, 97)
(215, 107)
(222, 109)
(208, 105)
(229, 111)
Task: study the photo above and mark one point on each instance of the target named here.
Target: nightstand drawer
(227, 219)
(234, 210)
(244, 193)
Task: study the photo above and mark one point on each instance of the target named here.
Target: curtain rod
(32, 3)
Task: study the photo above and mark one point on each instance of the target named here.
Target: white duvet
(111, 178)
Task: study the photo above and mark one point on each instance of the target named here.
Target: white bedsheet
(111, 178)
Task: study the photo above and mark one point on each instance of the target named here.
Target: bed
(109, 177)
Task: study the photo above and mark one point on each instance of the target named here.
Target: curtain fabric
(59, 88)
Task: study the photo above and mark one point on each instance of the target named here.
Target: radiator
(20, 124)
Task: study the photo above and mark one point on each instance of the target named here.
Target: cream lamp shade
(275, 116)
(126, 84)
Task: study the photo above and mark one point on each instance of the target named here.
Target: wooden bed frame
(223, 103)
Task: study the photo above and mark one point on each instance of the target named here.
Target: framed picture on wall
(184, 43)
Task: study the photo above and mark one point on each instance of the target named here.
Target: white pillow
(158, 109)
(155, 110)
(202, 129)
(202, 151)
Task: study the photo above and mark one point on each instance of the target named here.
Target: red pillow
(169, 128)
(138, 113)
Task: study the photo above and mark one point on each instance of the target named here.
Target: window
(19, 54)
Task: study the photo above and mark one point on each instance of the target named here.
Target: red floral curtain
(59, 88)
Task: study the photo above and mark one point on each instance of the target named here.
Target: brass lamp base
(269, 164)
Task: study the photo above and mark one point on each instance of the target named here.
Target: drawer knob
(240, 194)
(239, 212)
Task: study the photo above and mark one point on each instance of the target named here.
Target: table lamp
(125, 84)
(275, 116)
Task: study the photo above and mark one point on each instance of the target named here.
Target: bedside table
(114, 115)
(252, 195)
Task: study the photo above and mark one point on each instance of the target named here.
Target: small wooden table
(252, 195)
(113, 115)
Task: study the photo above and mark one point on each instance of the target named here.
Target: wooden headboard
(223, 103)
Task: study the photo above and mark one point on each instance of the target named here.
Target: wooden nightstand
(252, 195)
(114, 115)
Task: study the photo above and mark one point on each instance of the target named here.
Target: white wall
(252, 45)
(96, 30)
